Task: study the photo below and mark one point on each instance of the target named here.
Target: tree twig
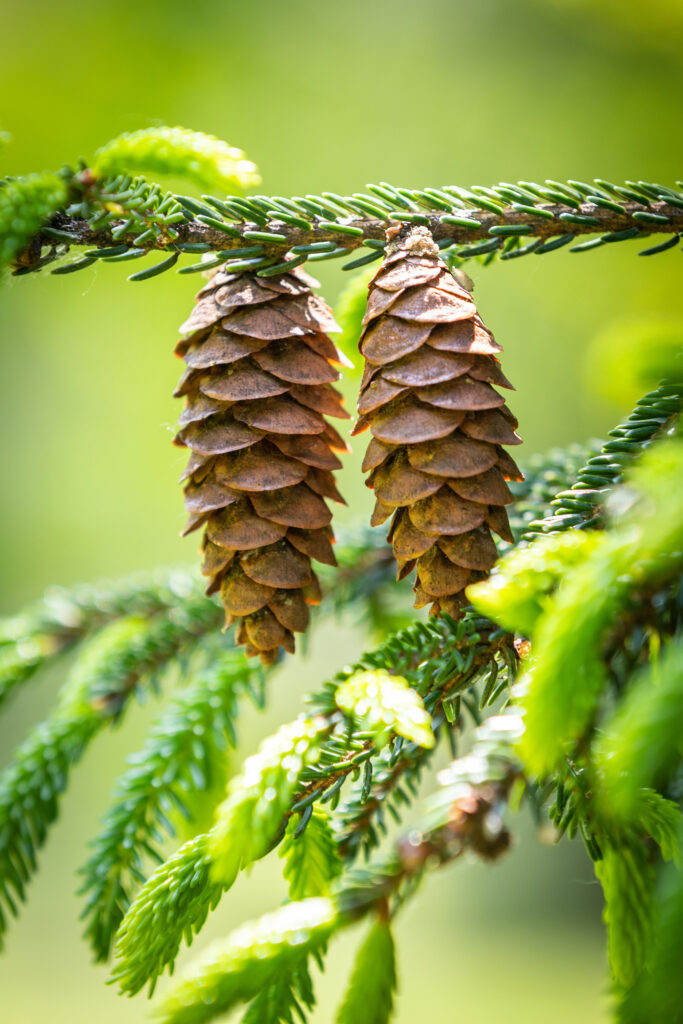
(597, 220)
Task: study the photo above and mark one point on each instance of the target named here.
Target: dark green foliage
(64, 617)
(581, 505)
(127, 655)
(181, 756)
(544, 476)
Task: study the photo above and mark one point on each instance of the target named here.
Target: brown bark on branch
(374, 228)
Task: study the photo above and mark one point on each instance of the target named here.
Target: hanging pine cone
(258, 386)
(435, 459)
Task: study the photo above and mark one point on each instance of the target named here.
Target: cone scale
(258, 389)
(436, 460)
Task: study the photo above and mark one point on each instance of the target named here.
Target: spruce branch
(370, 995)
(627, 879)
(642, 738)
(183, 890)
(172, 905)
(179, 757)
(642, 552)
(658, 994)
(309, 851)
(302, 763)
(25, 205)
(252, 959)
(389, 785)
(64, 617)
(260, 231)
(172, 616)
(441, 659)
(580, 506)
(466, 816)
(311, 865)
(595, 220)
(126, 655)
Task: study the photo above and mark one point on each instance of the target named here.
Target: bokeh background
(322, 96)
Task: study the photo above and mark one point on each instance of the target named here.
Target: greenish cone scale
(436, 459)
(258, 389)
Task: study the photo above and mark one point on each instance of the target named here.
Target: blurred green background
(321, 96)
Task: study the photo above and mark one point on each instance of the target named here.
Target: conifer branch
(64, 617)
(465, 816)
(658, 993)
(580, 506)
(370, 995)
(440, 658)
(169, 608)
(311, 865)
(595, 220)
(180, 757)
(258, 232)
(641, 740)
(127, 655)
(627, 879)
(310, 854)
(252, 959)
(171, 906)
(444, 661)
(389, 785)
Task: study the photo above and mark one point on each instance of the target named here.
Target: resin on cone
(258, 385)
(436, 461)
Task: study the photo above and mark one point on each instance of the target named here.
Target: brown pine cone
(258, 386)
(435, 459)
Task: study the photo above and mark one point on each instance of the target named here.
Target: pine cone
(435, 459)
(258, 386)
